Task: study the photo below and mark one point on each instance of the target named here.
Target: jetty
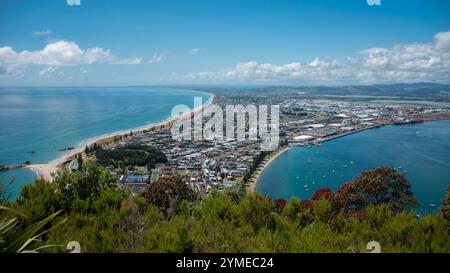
(4, 168)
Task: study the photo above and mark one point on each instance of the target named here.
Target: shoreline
(46, 171)
(266, 162)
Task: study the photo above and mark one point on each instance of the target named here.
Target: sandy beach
(46, 171)
(263, 165)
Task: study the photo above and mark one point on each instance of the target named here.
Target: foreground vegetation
(170, 217)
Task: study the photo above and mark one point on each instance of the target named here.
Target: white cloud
(10, 71)
(399, 63)
(48, 71)
(195, 51)
(158, 57)
(46, 32)
(131, 61)
(73, 2)
(442, 41)
(60, 53)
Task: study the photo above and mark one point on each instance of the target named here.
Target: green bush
(104, 218)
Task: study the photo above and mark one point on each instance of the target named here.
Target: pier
(4, 168)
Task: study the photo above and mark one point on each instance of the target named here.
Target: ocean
(422, 151)
(37, 123)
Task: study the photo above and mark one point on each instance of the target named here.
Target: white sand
(44, 171)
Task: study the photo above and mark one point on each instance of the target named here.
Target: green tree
(84, 184)
(167, 194)
(257, 210)
(168, 218)
(39, 200)
(322, 210)
(446, 204)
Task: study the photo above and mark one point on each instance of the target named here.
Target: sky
(157, 42)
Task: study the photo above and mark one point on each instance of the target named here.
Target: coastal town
(224, 135)
(305, 120)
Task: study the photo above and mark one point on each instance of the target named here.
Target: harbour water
(421, 151)
(38, 123)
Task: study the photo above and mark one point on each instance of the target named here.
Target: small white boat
(351, 162)
(432, 205)
(344, 166)
(324, 176)
(306, 186)
(309, 161)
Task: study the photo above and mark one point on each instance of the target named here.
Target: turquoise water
(37, 122)
(422, 150)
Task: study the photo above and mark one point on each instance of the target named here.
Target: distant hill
(416, 91)
(434, 91)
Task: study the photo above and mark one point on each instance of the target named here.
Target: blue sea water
(35, 123)
(422, 151)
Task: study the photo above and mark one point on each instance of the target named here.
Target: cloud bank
(399, 63)
(60, 53)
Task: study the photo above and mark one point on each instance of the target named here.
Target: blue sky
(104, 42)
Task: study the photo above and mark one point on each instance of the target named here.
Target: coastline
(46, 171)
(265, 163)
(257, 174)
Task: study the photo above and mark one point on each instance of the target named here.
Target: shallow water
(37, 122)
